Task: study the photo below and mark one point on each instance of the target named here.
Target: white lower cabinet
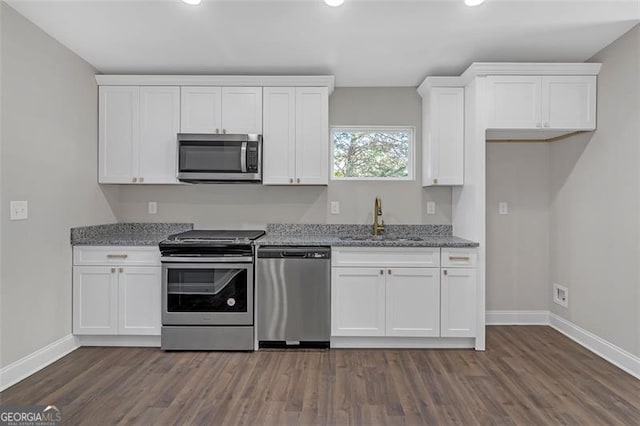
(410, 293)
(458, 302)
(358, 302)
(413, 302)
(116, 299)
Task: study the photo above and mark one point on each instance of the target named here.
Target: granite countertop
(126, 234)
(360, 236)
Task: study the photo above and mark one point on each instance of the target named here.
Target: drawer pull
(459, 258)
(389, 271)
(113, 270)
(381, 272)
(117, 256)
(445, 272)
(121, 270)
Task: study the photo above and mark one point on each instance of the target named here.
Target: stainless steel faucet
(377, 212)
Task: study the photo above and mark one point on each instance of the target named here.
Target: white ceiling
(363, 42)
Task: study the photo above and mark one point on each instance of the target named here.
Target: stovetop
(211, 235)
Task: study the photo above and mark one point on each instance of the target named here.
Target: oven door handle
(204, 259)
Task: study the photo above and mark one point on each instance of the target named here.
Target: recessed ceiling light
(473, 2)
(192, 2)
(334, 3)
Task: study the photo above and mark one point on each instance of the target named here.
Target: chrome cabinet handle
(113, 270)
(389, 271)
(547, 125)
(290, 180)
(121, 270)
(117, 256)
(298, 180)
(435, 181)
(381, 272)
(445, 272)
(134, 180)
(217, 130)
(140, 180)
(224, 131)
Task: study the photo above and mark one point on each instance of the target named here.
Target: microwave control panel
(252, 157)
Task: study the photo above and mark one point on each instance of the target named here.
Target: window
(372, 153)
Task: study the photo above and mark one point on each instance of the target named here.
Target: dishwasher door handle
(293, 254)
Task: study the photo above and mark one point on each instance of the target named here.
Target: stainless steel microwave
(217, 158)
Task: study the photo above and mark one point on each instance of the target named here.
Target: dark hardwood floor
(530, 375)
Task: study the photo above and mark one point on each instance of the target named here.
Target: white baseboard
(30, 364)
(134, 341)
(517, 317)
(343, 342)
(610, 352)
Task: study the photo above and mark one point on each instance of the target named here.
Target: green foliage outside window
(372, 153)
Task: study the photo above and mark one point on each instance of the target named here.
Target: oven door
(207, 293)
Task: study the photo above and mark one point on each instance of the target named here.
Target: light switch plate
(153, 207)
(335, 207)
(19, 210)
(431, 207)
(503, 207)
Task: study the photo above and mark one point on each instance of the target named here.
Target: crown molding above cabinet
(218, 80)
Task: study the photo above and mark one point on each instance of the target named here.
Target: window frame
(411, 161)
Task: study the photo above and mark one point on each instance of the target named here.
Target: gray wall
(518, 243)
(595, 206)
(245, 206)
(49, 128)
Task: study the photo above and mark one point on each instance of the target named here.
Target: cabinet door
(159, 124)
(95, 300)
(569, 102)
(458, 302)
(357, 302)
(279, 137)
(312, 135)
(242, 110)
(201, 110)
(139, 293)
(118, 133)
(514, 102)
(443, 154)
(413, 302)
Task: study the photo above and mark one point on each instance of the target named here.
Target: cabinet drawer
(116, 255)
(419, 257)
(458, 258)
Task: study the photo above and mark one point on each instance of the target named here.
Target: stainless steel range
(208, 291)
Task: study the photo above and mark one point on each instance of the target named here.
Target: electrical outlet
(560, 295)
(431, 207)
(335, 207)
(153, 207)
(19, 210)
(503, 207)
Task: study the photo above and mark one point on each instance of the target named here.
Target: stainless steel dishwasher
(294, 296)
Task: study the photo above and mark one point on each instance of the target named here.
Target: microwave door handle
(243, 158)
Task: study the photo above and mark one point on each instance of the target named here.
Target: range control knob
(231, 301)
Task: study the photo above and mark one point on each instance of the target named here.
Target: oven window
(211, 157)
(207, 290)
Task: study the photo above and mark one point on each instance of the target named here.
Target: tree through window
(372, 153)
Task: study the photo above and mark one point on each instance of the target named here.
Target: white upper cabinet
(535, 102)
(159, 124)
(443, 136)
(118, 136)
(221, 110)
(242, 110)
(279, 136)
(296, 136)
(201, 110)
(137, 134)
(569, 102)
